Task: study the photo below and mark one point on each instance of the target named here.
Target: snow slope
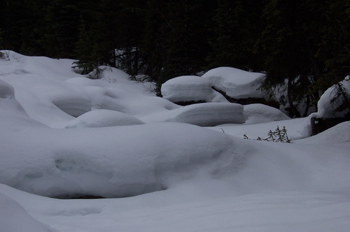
(63, 135)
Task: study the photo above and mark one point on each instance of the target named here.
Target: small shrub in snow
(279, 135)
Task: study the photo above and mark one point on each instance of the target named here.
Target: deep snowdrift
(65, 135)
(10, 210)
(236, 83)
(190, 89)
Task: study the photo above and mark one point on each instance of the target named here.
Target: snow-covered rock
(209, 114)
(103, 118)
(259, 113)
(184, 89)
(326, 107)
(236, 83)
(202, 114)
(6, 90)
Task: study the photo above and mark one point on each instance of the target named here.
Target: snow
(10, 209)
(204, 114)
(325, 108)
(259, 113)
(190, 88)
(334, 135)
(236, 83)
(176, 168)
(103, 118)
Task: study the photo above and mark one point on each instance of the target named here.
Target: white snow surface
(236, 83)
(204, 114)
(65, 135)
(325, 108)
(259, 113)
(10, 210)
(190, 88)
(103, 118)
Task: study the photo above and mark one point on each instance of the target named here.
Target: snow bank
(190, 88)
(203, 114)
(334, 135)
(326, 108)
(236, 83)
(111, 161)
(13, 114)
(209, 114)
(298, 128)
(212, 180)
(259, 113)
(46, 100)
(14, 218)
(103, 118)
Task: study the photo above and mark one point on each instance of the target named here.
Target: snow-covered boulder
(103, 118)
(259, 113)
(326, 107)
(203, 114)
(236, 83)
(330, 108)
(185, 89)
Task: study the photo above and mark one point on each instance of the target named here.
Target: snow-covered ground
(176, 168)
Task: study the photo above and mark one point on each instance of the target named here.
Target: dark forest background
(304, 43)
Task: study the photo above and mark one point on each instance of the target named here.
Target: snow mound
(6, 90)
(13, 114)
(326, 108)
(51, 102)
(190, 88)
(259, 113)
(334, 135)
(123, 161)
(103, 118)
(236, 83)
(209, 114)
(14, 218)
(202, 114)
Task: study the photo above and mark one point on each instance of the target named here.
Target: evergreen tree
(237, 26)
(60, 33)
(288, 54)
(13, 18)
(334, 47)
(176, 37)
(334, 51)
(84, 50)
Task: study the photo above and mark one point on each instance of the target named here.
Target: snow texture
(13, 217)
(236, 83)
(325, 105)
(103, 118)
(64, 135)
(190, 89)
(259, 113)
